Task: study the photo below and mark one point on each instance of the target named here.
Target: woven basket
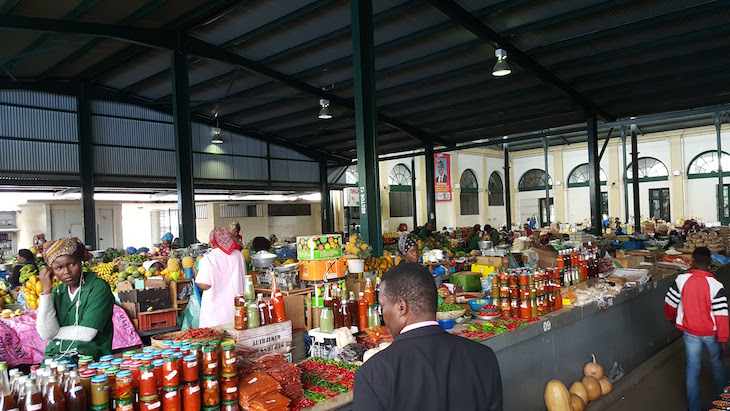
(449, 315)
(175, 336)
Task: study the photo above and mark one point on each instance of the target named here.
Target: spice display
(211, 391)
(191, 396)
(170, 376)
(171, 400)
(229, 387)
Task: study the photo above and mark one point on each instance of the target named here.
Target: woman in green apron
(77, 315)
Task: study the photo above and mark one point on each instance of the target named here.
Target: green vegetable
(28, 270)
(311, 395)
(449, 307)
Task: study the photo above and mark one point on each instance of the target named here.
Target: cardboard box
(497, 262)
(326, 246)
(294, 306)
(274, 338)
(356, 286)
(630, 261)
(481, 269)
(470, 281)
(130, 309)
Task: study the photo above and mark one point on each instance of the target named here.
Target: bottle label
(192, 364)
(230, 361)
(147, 375)
(34, 407)
(171, 375)
(194, 389)
(126, 407)
(153, 405)
(213, 365)
(76, 389)
(13, 409)
(232, 389)
(171, 394)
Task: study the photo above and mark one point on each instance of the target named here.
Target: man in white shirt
(468, 374)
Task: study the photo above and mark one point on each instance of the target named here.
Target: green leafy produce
(311, 395)
(110, 254)
(449, 307)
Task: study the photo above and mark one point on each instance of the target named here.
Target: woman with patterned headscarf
(77, 315)
(220, 275)
(408, 248)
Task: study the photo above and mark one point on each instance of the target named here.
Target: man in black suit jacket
(425, 368)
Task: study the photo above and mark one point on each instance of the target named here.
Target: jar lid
(103, 366)
(170, 389)
(99, 378)
(124, 373)
(117, 361)
(229, 375)
(87, 373)
(107, 357)
(168, 352)
(167, 342)
(184, 342)
(93, 365)
(147, 367)
(147, 357)
(128, 353)
(137, 357)
(158, 363)
(124, 402)
(170, 359)
(148, 349)
(208, 349)
(158, 352)
(185, 347)
(192, 357)
(177, 355)
(112, 369)
(227, 347)
(196, 345)
(210, 377)
(100, 407)
(135, 364)
(149, 398)
(214, 342)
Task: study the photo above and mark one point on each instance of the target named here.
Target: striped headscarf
(222, 238)
(65, 246)
(405, 243)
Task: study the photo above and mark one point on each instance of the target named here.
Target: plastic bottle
(337, 310)
(369, 293)
(33, 399)
(7, 403)
(75, 394)
(55, 401)
(277, 301)
(22, 393)
(362, 309)
(264, 317)
(377, 290)
(352, 309)
(327, 297)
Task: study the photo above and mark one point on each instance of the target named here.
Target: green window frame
(496, 189)
(705, 165)
(580, 176)
(469, 193)
(650, 169)
(533, 180)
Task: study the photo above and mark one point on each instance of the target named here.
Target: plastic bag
(616, 373)
(190, 317)
(530, 257)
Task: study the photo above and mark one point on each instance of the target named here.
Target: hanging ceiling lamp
(324, 112)
(502, 68)
(216, 136)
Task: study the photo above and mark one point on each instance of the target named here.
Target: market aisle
(658, 384)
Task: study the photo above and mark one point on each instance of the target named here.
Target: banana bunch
(28, 271)
(107, 272)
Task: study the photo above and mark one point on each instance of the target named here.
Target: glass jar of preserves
(228, 360)
(248, 291)
(147, 381)
(210, 361)
(229, 406)
(179, 358)
(147, 358)
(190, 368)
(124, 405)
(229, 387)
(134, 369)
(124, 385)
(504, 290)
(171, 400)
(99, 390)
(151, 403)
(157, 366)
(170, 376)
(252, 315)
(191, 396)
(239, 318)
(211, 391)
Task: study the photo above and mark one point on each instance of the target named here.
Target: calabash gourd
(593, 387)
(580, 390)
(592, 369)
(557, 397)
(606, 386)
(577, 403)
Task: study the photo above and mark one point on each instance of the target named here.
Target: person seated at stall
(153, 264)
(493, 235)
(426, 233)
(235, 228)
(260, 244)
(472, 240)
(166, 241)
(273, 239)
(77, 315)
(220, 275)
(528, 230)
(25, 257)
(448, 372)
(408, 248)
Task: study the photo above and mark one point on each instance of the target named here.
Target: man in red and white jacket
(697, 304)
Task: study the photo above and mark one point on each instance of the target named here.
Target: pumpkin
(593, 387)
(580, 390)
(592, 369)
(606, 386)
(557, 397)
(576, 402)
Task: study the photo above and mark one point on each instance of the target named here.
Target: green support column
(86, 167)
(183, 145)
(547, 182)
(366, 123)
(430, 185)
(594, 175)
(720, 191)
(413, 193)
(328, 225)
(507, 189)
(635, 178)
(626, 177)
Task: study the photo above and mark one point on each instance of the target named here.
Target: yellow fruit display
(246, 254)
(141, 270)
(173, 264)
(32, 289)
(188, 262)
(107, 272)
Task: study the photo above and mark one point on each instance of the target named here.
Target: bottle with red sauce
(170, 375)
(190, 368)
(147, 381)
(277, 302)
(191, 396)
(362, 307)
(264, 317)
(171, 399)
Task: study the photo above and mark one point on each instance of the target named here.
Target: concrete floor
(658, 384)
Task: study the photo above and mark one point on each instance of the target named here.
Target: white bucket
(355, 265)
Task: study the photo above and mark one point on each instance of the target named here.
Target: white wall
(33, 219)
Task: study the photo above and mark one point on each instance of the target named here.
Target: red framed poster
(442, 163)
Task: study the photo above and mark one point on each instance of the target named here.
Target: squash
(593, 387)
(592, 369)
(606, 386)
(580, 390)
(577, 403)
(557, 397)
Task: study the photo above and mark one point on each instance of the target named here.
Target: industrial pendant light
(216, 136)
(324, 112)
(501, 68)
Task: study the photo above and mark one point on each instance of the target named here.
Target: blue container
(477, 303)
(189, 273)
(446, 324)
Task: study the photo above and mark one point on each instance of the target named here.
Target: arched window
(650, 169)
(580, 176)
(401, 198)
(469, 197)
(706, 165)
(496, 190)
(400, 175)
(351, 176)
(533, 180)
